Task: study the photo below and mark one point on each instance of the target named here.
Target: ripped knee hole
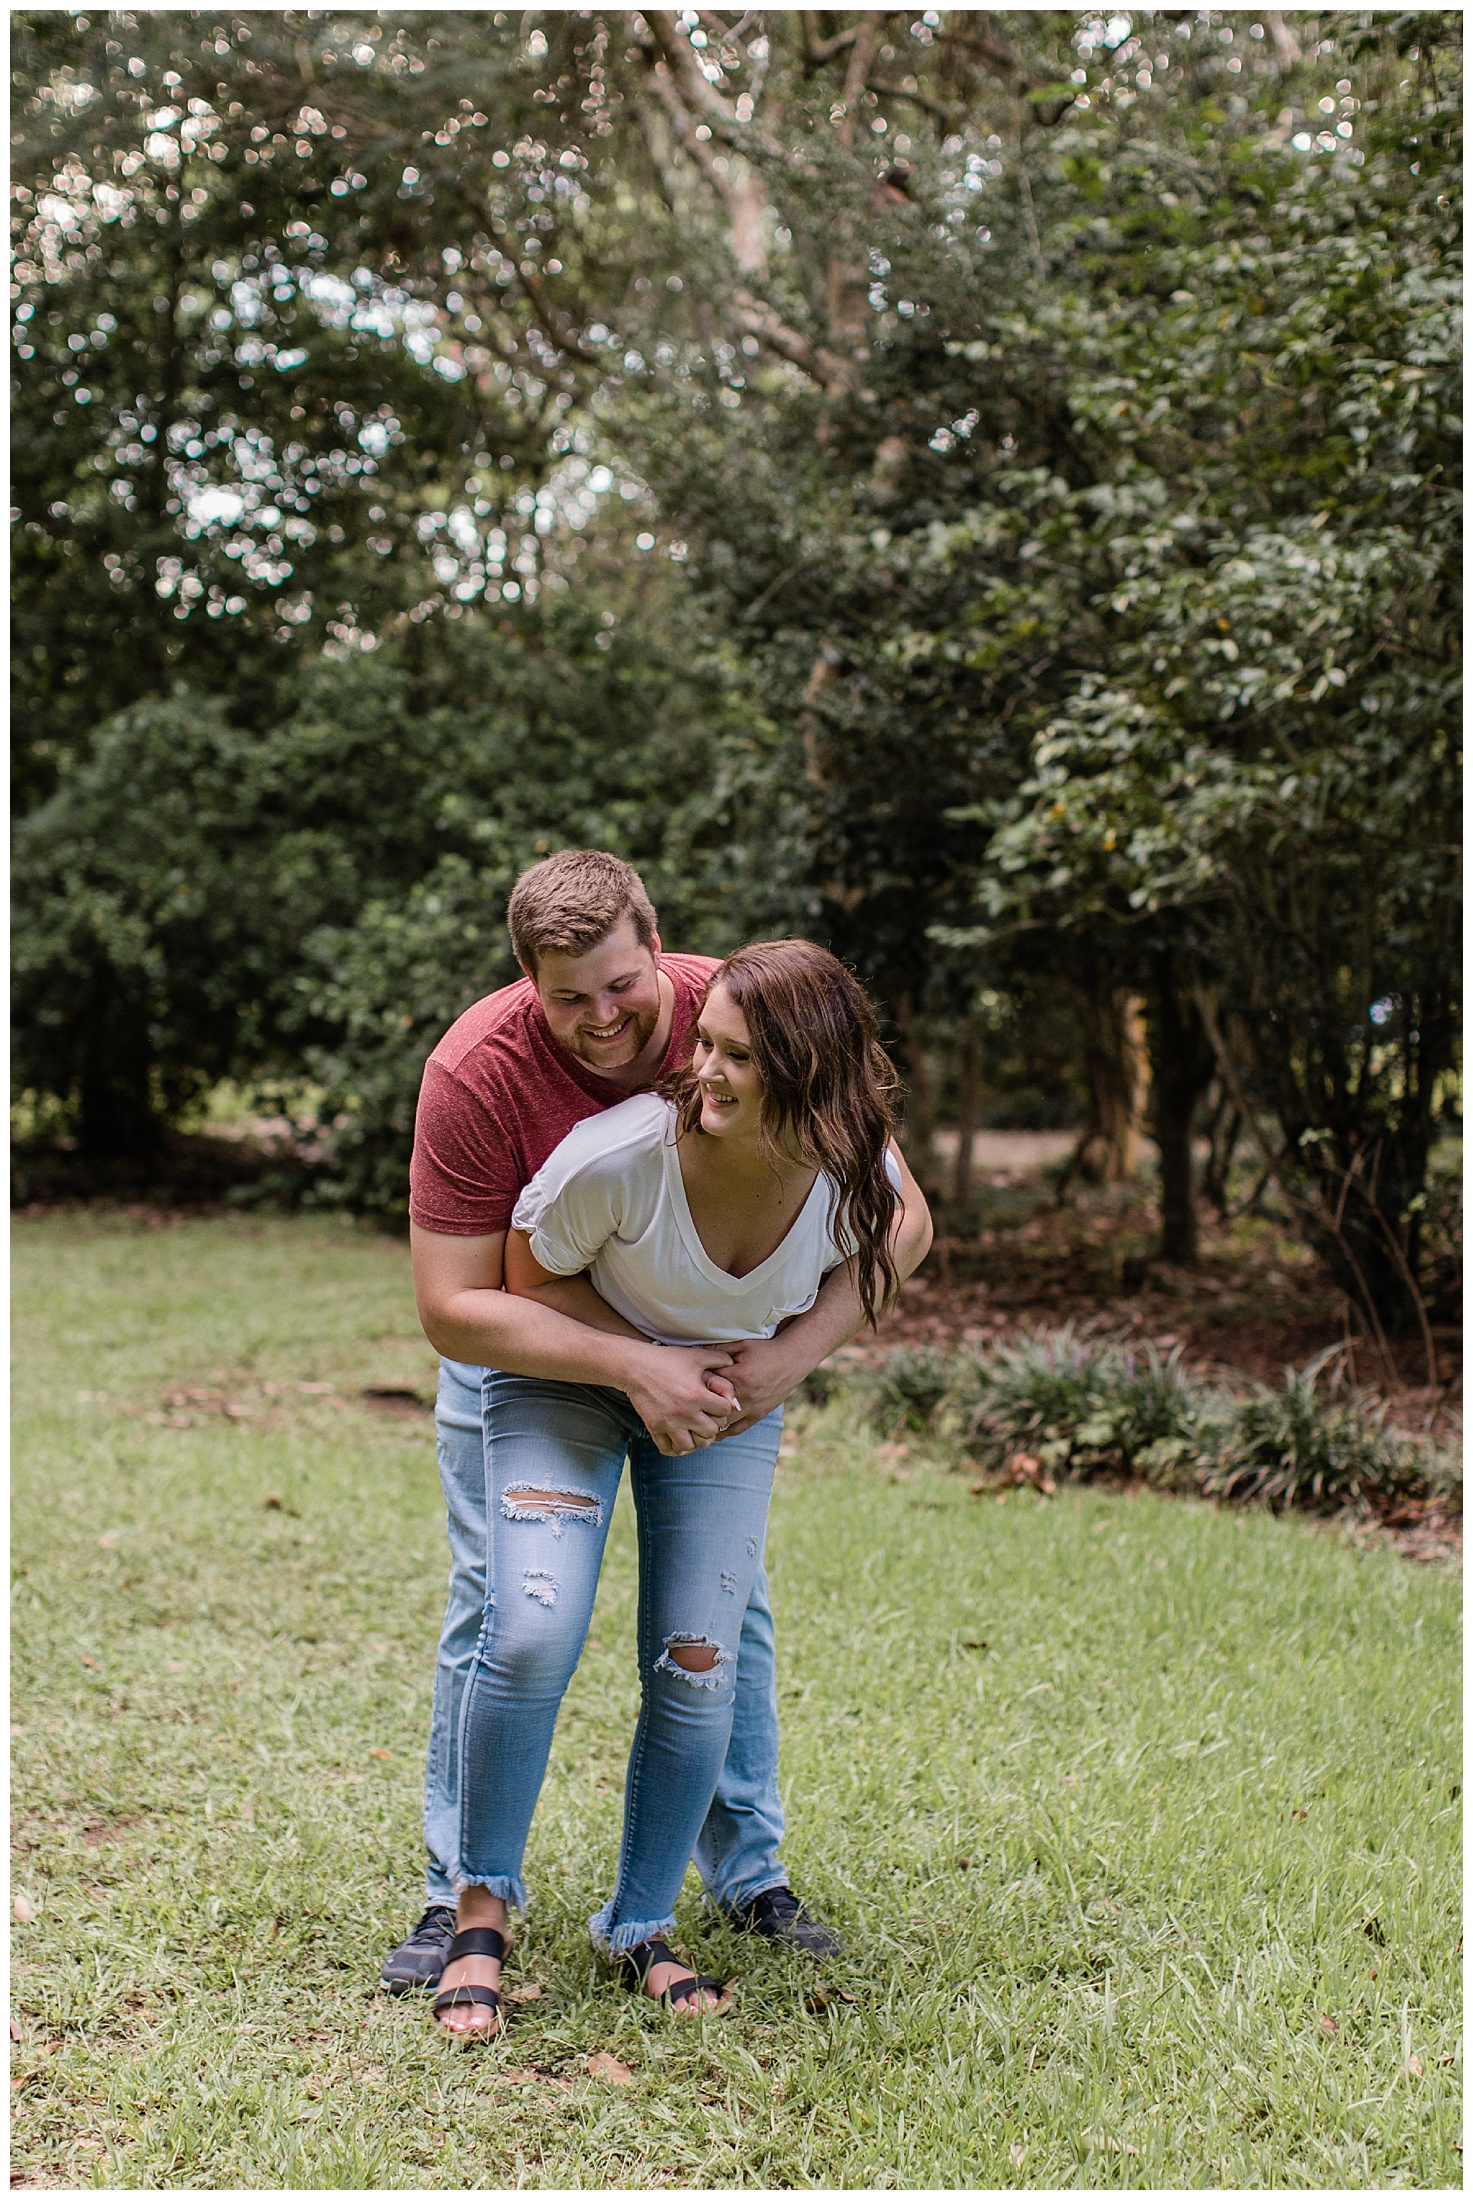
(556, 1506)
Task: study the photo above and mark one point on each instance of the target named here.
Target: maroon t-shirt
(499, 1093)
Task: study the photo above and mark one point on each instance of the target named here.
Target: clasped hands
(690, 1396)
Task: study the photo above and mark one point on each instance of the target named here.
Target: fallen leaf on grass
(93, 1663)
(15, 2031)
(23, 1911)
(1329, 2026)
(610, 2069)
(824, 1997)
(525, 1993)
(386, 1754)
(1414, 2066)
(108, 1541)
(272, 1501)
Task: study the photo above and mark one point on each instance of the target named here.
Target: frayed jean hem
(621, 1938)
(504, 1884)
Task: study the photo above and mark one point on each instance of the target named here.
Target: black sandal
(634, 1964)
(476, 1940)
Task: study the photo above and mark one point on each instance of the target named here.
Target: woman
(706, 1213)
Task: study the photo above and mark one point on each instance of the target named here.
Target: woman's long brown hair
(826, 1089)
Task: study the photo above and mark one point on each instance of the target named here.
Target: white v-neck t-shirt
(611, 1200)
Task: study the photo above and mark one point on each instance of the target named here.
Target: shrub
(1081, 1409)
(908, 1390)
(1295, 1447)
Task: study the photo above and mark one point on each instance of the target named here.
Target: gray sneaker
(779, 1915)
(417, 1962)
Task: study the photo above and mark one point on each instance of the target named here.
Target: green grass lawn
(1140, 1820)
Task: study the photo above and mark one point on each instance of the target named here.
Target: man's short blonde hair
(569, 902)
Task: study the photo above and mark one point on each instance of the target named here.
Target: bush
(911, 1385)
(1057, 1405)
(1294, 1447)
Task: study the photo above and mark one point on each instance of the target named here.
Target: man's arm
(677, 1391)
(769, 1369)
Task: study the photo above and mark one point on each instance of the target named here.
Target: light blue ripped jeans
(703, 1768)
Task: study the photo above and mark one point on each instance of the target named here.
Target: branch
(761, 320)
(741, 195)
(1286, 45)
(1274, 1165)
(856, 77)
(698, 93)
(1007, 65)
(917, 99)
(555, 326)
(817, 50)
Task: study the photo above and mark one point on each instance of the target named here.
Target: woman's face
(731, 1090)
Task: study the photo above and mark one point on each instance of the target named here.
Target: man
(601, 1013)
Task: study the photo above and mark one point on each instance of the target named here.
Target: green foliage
(1053, 425)
(1292, 1447)
(198, 900)
(1268, 766)
(1084, 1408)
(1081, 1408)
(908, 1388)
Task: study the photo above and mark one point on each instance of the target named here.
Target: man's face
(603, 1006)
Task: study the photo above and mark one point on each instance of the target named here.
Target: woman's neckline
(694, 1243)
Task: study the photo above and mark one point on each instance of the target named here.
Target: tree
(1264, 776)
(953, 381)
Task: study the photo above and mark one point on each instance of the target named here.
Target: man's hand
(681, 1394)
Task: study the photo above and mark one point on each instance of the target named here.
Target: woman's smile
(731, 1088)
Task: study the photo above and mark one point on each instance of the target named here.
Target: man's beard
(633, 1040)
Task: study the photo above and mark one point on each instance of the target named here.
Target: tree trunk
(920, 1100)
(1182, 1065)
(1116, 1068)
(968, 1089)
(116, 1120)
(1223, 1131)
